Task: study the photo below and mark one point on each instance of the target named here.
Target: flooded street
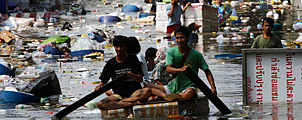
(227, 73)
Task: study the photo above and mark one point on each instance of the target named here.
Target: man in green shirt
(181, 87)
(267, 39)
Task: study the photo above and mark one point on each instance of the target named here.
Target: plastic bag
(219, 39)
(46, 85)
(83, 43)
(234, 12)
(299, 39)
(3, 62)
(11, 22)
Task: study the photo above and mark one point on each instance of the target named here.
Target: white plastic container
(53, 99)
(87, 59)
(2, 112)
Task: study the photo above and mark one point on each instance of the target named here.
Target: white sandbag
(25, 21)
(11, 22)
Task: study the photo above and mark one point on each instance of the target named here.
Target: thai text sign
(272, 75)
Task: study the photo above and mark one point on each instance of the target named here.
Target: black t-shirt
(114, 69)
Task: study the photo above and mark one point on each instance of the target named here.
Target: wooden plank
(89, 97)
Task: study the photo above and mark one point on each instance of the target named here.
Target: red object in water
(49, 112)
(96, 10)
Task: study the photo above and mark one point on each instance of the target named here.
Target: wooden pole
(89, 97)
(207, 92)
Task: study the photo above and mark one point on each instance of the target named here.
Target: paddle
(208, 93)
(89, 97)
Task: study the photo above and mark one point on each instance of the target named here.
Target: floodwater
(227, 75)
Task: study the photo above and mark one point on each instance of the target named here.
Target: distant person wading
(174, 12)
(267, 39)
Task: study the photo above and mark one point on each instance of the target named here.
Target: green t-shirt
(261, 42)
(194, 59)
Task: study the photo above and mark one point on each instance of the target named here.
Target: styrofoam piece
(86, 75)
(82, 69)
(10, 88)
(120, 27)
(139, 31)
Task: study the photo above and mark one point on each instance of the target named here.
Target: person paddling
(178, 59)
(126, 93)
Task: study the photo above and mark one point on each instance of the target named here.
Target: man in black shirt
(129, 92)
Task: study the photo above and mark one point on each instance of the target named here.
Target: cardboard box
(190, 107)
(117, 113)
(5, 38)
(207, 25)
(199, 106)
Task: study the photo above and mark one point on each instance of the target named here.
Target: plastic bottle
(74, 99)
(44, 100)
(259, 26)
(56, 30)
(23, 106)
(91, 104)
(46, 66)
(74, 82)
(252, 35)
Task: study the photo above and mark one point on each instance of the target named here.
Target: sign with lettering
(272, 75)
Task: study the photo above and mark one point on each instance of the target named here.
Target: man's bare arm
(185, 8)
(136, 77)
(171, 70)
(211, 80)
(171, 11)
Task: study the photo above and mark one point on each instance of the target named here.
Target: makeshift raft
(161, 109)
